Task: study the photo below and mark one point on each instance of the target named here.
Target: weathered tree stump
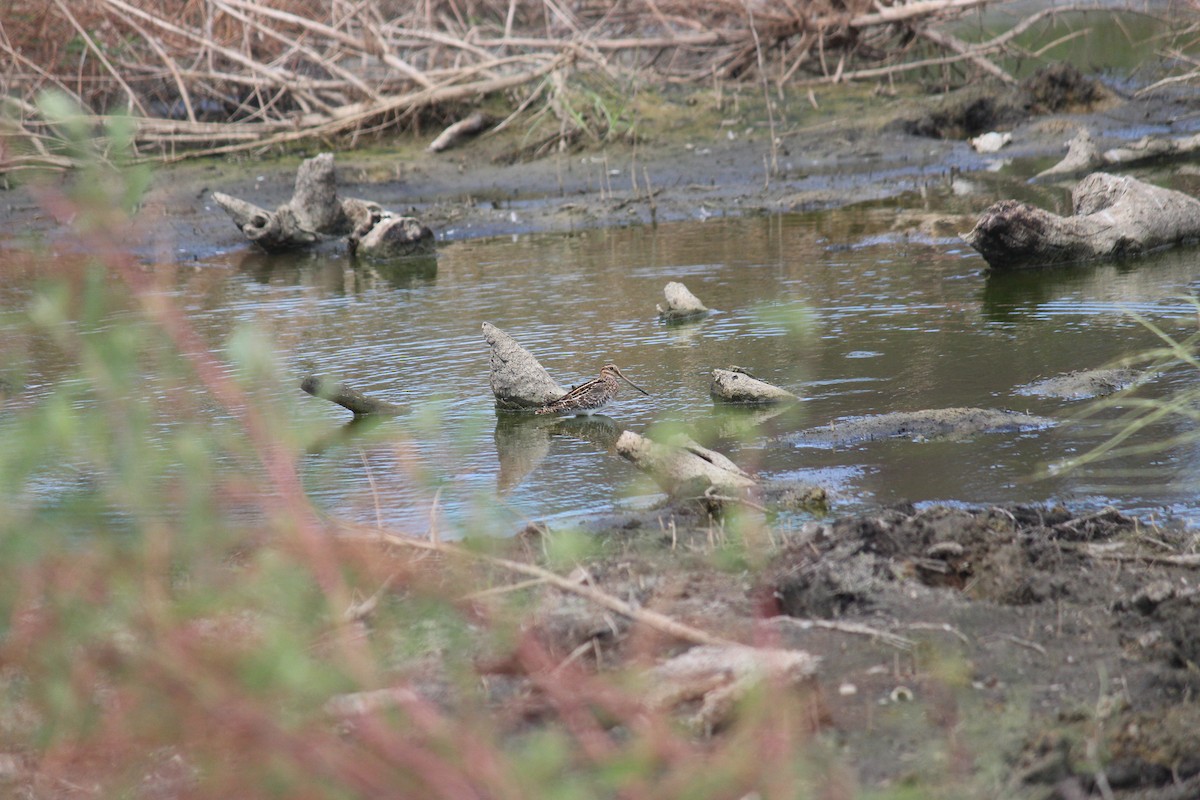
(518, 381)
(1113, 217)
(1082, 156)
(316, 214)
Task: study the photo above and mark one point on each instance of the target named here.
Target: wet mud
(1048, 650)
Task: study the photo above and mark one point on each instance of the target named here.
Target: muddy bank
(963, 651)
(696, 156)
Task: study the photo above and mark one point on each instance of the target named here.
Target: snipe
(590, 397)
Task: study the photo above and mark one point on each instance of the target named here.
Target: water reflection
(350, 433)
(336, 273)
(524, 440)
(399, 273)
(745, 422)
(1151, 283)
(686, 332)
(597, 429)
(522, 443)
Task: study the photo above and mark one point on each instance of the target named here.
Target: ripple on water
(897, 326)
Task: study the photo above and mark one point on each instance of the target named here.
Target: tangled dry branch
(212, 76)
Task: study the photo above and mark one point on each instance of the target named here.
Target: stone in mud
(681, 304)
(518, 381)
(929, 424)
(735, 385)
(796, 495)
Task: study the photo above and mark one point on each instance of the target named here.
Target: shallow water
(833, 305)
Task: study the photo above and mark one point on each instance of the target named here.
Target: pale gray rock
(735, 385)
(518, 381)
(681, 303)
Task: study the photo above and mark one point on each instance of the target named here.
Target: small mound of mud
(966, 113)
(1012, 556)
(1061, 87)
(1161, 622)
(935, 423)
(978, 109)
(1084, 384)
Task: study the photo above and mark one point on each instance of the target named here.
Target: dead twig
(1019, 642)
(1189, 560)
(360, 610)
(651, 619)
(853, 628)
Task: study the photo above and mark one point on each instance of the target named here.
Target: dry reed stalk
(276, 71)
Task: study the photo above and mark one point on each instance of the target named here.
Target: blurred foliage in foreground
(176, 620)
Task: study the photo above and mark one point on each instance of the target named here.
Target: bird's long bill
(621, 375)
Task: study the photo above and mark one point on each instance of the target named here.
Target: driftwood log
(718, 676)
(473, 124)
(684, 472)
(1084, 155)
(349, 398)
(316, 214)
(1113, 217)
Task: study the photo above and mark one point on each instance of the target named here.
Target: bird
(590, 397)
